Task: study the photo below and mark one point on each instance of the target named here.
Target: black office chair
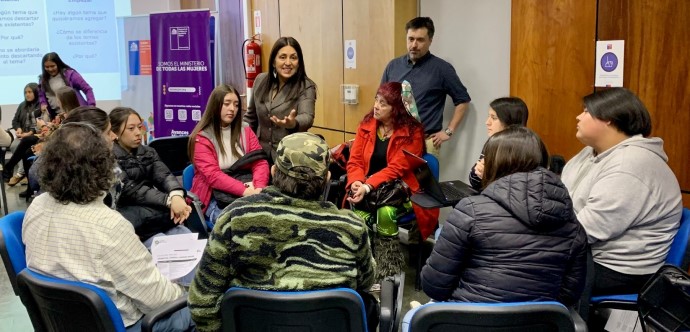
(173, 152)
(333, 310)
(61, 305)
(520, 316)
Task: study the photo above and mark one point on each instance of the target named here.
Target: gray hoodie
(628, 201)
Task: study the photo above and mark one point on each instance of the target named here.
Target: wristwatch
(449, 132)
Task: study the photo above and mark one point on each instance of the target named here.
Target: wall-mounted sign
(609, 66)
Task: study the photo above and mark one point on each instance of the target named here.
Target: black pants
(147, 221)
(609, 282)
(22, 152)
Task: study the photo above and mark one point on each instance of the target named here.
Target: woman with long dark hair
(56, 74)
(24, 124)
(217, 143)
(284, 98)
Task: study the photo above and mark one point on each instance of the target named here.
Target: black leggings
(22, 152)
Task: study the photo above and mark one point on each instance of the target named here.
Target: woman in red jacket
(376, 157)
(217, 142)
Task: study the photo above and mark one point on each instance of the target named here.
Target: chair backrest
(520, 316)
(680, 241)
(62, 305)
(173, 152)
(12, 247)
(336, 310)
(188, 177)
(432, 161)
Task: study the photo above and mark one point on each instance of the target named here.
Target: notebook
(446, 192)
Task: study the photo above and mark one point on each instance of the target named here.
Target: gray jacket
(629, 202)
(259, 113)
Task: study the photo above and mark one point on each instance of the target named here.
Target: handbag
(391, 193)
(239, 172)
(664, 301)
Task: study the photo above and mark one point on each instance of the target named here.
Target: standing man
(432, 78)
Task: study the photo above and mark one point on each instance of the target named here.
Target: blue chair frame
(517, 316)
(675, 257)
(187, 180)
(12, 247)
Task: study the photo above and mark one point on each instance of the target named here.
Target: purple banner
(182, 76)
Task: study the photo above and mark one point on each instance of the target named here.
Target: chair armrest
(391, 302)
(580, 324)
(387, 314)
(164, 311)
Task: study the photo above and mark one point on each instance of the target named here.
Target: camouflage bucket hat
(305, 150)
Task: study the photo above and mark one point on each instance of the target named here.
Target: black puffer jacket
(519, 240)
(146, 180)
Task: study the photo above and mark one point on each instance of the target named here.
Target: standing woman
(57, 74)
(152, 199)
(24, 124)
(220, 141)
(376, 158)
(284, 97)
(503, 112)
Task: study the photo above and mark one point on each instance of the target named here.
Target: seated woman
(519, 240)
(152, 199)
(624, 194)
(376, 157)
(84, 114)
(503, 112)
(24, 124)
(69, 233)
(220, 142)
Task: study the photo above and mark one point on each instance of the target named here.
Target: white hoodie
(628, 201)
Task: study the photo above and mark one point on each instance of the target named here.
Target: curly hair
(76, 164)
(392, 93)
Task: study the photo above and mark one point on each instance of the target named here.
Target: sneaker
(14, 180)
(375, 288)
(24, 181)
(25, 193)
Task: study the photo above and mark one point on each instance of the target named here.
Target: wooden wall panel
(316, 27)
(552, 66)
(657, 68)
(379, 40)
(332, 137)
(270, 26)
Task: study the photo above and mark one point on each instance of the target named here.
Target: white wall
(474, 36)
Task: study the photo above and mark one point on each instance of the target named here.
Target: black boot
(24, 194)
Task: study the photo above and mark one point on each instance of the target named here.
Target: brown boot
(14, 180)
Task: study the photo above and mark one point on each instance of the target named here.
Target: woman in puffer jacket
(152, 199)
(519, 240)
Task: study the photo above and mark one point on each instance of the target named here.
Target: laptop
(446, 192)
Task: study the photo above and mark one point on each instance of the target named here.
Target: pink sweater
(208, 175)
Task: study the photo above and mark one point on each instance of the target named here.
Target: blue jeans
(179, 321)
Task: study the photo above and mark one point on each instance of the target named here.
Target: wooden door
(552, 66)
(379, 29)
(317, 26)
(657, 69)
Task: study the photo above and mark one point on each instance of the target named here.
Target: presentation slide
(82, 32)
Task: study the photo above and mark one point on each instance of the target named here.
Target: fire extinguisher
(252, 59)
